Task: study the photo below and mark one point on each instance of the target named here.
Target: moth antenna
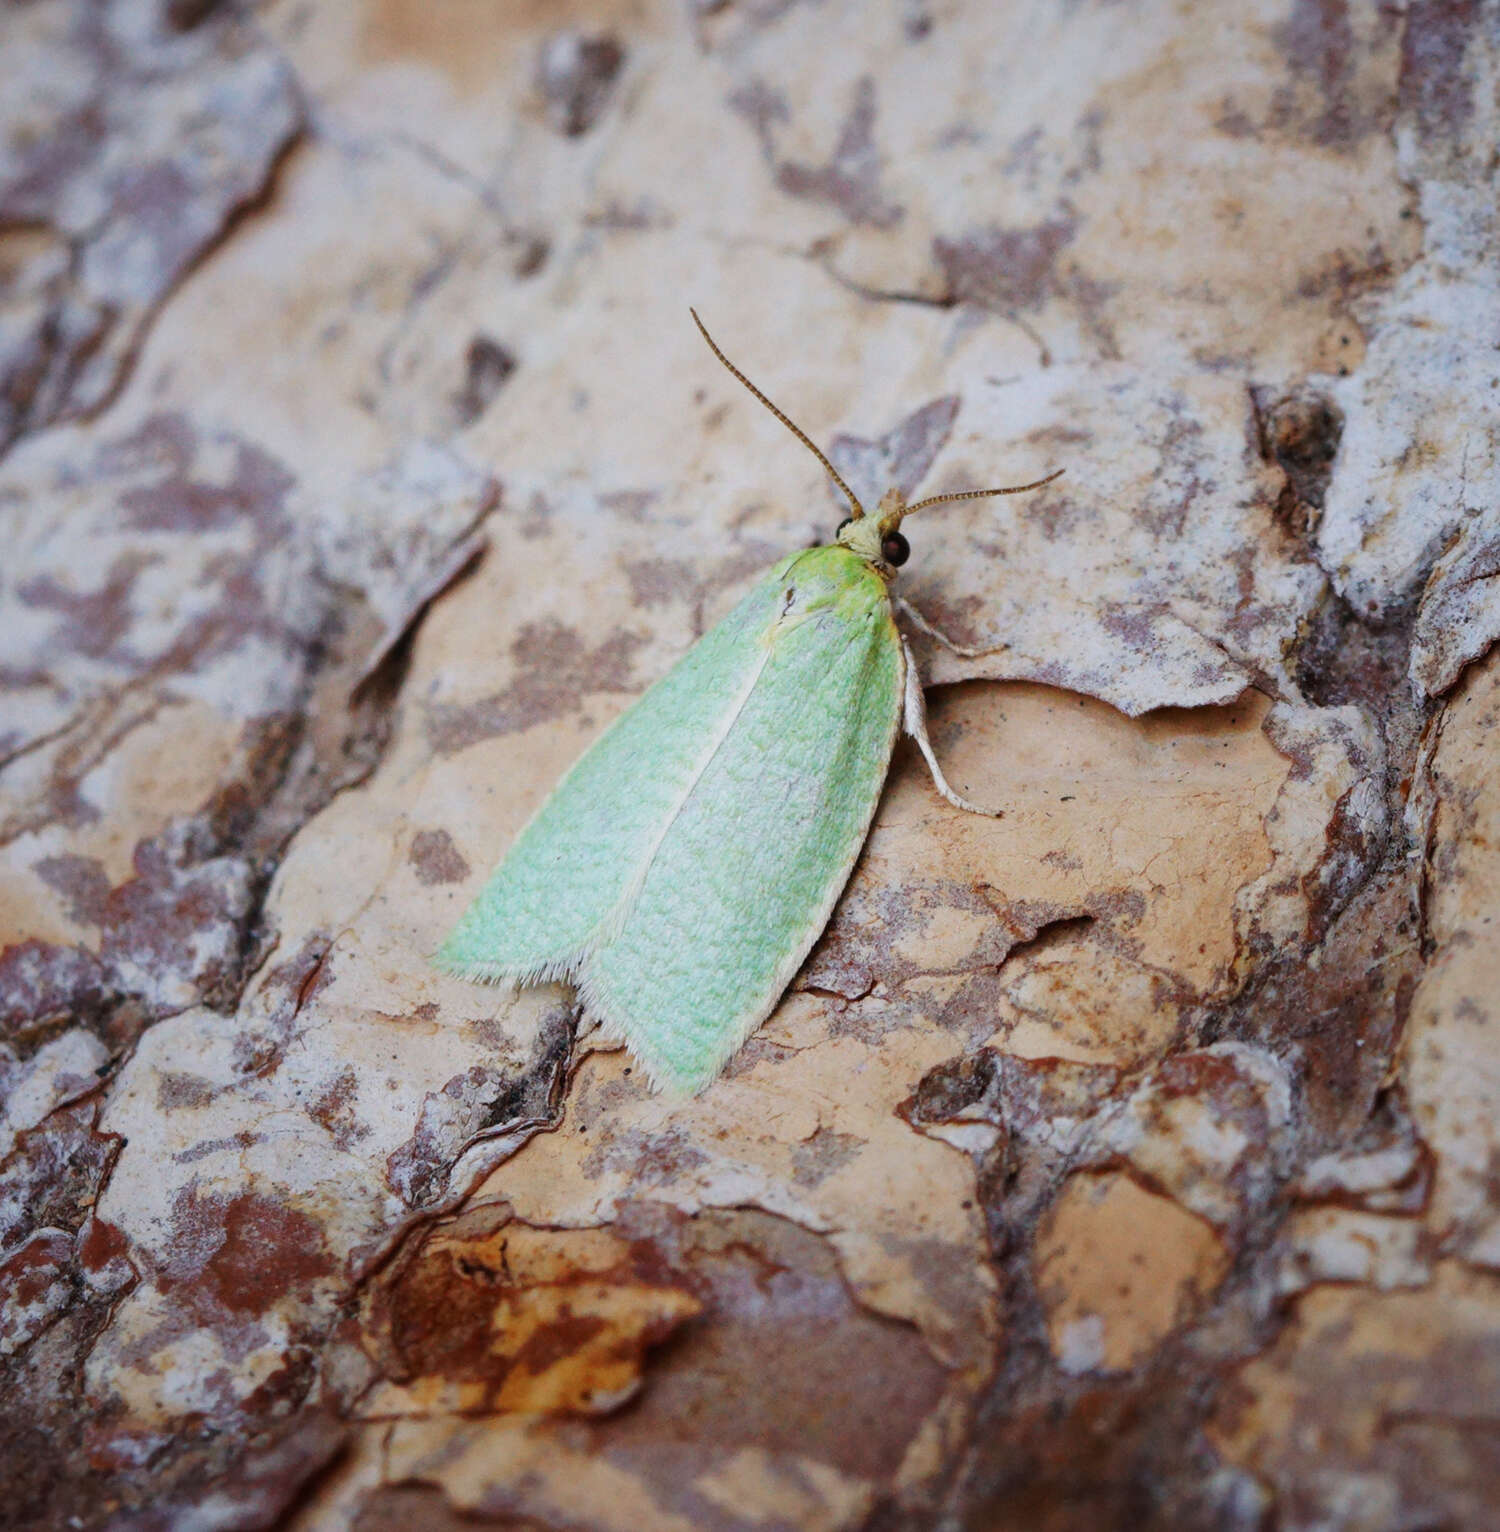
(980, 494)
(790, 424)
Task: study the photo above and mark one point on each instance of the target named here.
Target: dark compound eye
(848, 521)
(894, 549)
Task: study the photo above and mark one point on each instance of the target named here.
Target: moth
(682, 869)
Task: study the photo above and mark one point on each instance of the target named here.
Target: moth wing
(567, 879)
(749, 870)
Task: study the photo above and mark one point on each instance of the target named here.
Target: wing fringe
(559, 970)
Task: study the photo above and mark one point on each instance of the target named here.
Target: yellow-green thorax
(832, 580)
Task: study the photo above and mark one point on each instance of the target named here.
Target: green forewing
(683, 868)
(572, 865)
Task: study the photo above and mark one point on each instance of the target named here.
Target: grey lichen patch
(850, 182)
(82, 881)
(487, 367)
(824, 1153)
(1340, 64)
(436, 858)
(146, 144)
(901, 457)
(555, 670)
(1005, 268)
(167, 935)
(576, 76)
(1437, 76)
(337, 1108)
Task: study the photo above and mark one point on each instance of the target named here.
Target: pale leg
(918, 621)
(915, 724)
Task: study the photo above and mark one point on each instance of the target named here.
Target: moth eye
(894, 549)
(848, 521)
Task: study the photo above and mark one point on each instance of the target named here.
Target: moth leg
(918, 621)
(915, 724)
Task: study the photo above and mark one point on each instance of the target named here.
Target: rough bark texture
(1131, 1160)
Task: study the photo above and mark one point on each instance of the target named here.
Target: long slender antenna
(791, 425)
(979, 494)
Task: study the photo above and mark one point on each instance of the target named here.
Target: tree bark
(1128, 1160)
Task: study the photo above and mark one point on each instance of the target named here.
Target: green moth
(683, 868)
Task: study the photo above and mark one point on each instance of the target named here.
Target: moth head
(875, 536)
